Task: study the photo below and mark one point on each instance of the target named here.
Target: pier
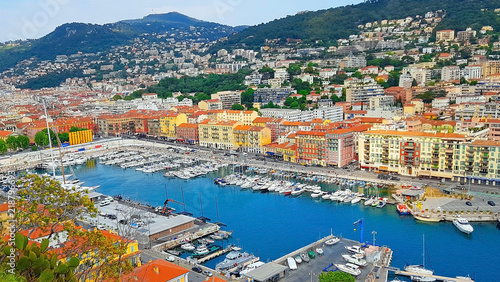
(437, 277)
(214, 255)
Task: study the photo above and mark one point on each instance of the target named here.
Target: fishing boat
(312, 254)
(426, 217)
(332, 241)
(349, 268)
(402, 209)
(298, 259)
(174, 252)
(201, 250)
(463, 225)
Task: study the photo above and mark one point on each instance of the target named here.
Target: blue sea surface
(270, 225)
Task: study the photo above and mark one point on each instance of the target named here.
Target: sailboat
(420, 269)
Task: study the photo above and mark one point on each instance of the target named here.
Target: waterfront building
(251, 138)
(245, 117)
(311, 148)
(274, 124)
(217, 134)
(169, 122)
(340, 147)
(188, 132)
(411, 153)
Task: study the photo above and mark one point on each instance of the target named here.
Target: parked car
(468, 203)
(197, 269)
(207, 273)
(491, 203)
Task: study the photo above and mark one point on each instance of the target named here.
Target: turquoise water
(271, 225)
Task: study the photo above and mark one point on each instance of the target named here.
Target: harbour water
(272, 225)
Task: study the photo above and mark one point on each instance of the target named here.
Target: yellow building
(409, 109)
(80, 137)
(252, 138)
(217, 134)
(169, 123)
(245, 117)
(412, 153)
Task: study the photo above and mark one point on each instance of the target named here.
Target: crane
(361, 228)
(165, 205)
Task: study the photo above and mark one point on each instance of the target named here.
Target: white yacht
(463, 225)
(355, 259)
(349, 268)
(332, 241)
(188, 247)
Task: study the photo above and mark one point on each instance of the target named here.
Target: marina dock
(437, 277)
(214, 255)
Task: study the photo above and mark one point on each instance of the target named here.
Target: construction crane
(165, 205)
(361, 228)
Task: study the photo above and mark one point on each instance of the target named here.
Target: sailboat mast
(184, 204)
(423, 250)
(50, 141)
(216, 208)
(201, 205)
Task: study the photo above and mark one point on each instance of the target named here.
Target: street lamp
(374, 233)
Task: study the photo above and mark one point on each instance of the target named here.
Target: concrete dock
(310, 271)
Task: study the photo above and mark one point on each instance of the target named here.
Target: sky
(29, 19)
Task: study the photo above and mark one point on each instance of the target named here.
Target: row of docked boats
(195, 171)
(267, 184)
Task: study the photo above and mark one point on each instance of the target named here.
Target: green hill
(71, 38)
(335, 23)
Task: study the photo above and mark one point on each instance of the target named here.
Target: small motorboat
(355, 259)
(463, 225)
(188, 247)
(174, 252)
(304, 257)
(291, 263)
(312, 254)
(319, 251)
(298, 259)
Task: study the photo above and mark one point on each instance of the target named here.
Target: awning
(424, 173)
(442, 174)
(383, 168)
(270, 153)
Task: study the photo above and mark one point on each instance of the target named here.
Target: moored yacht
(463, 225)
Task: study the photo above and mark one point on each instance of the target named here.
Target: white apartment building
(450, 73)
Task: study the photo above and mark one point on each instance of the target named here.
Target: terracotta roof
(315, 133)
(157, 270)
(5, 133)
(489, 143)
(416, 134)
(187, 125)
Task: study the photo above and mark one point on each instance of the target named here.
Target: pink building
(340, 147)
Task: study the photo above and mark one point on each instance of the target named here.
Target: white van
(105, 203)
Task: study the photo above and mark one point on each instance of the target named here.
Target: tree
(12, 143)
(3, 147)
(41, 138)
(64, 137)
(43, 204)
(23, 142)
(335, 276)
(34, 148)
(237, 107)
(117, 97)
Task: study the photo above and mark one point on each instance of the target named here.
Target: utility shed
(268, 272)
